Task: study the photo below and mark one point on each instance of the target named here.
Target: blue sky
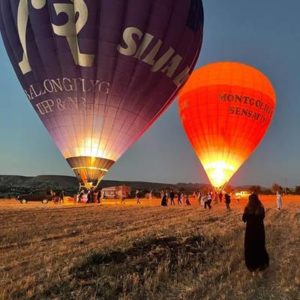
(265, 34)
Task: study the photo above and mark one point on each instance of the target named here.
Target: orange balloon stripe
(232, 74)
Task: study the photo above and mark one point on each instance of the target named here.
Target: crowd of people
(90, 196)
(168, 198)
(56, 197)
(204, 199)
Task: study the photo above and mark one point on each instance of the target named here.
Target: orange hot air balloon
(226, 109)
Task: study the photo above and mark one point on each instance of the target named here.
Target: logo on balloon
(69, 30)
(247, 106)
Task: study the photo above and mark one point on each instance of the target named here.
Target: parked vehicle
(42, 196)
(242, 194)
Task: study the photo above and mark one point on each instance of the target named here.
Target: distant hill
(38, 182)
(18, 184)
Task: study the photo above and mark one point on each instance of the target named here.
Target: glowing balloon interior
(226, 109)
(99, 73)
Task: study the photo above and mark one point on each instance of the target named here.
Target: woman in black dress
(256, 256)
(164, 201)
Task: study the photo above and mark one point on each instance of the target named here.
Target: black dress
(256, 256)
(164, 201)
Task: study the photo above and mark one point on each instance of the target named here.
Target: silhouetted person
(220, 196)
(187, 200)
(61, 196)
(56, 197)
(138, 196)
(99, 196)
(227, 201)
(256, 256)
(95, 197)
(172, 196)
(179, 198)
(164, 201)
(80, 195)
(90, 196)
(198, 195)
(208, 200)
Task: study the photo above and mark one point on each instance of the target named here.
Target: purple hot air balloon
(100, 72)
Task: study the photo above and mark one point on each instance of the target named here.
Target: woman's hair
(254, 205)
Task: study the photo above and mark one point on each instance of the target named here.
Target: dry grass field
(115, 251)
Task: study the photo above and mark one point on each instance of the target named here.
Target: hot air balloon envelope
(98, 73)
(226, 109)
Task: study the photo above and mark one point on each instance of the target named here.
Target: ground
(126, 251)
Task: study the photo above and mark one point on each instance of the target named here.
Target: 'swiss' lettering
(145, 47)
(142, 46)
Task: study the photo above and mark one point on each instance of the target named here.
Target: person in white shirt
(279, 200)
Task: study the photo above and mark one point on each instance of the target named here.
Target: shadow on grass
(146, 270)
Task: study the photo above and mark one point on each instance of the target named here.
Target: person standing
(199, 198)
(172, 196)
(61, 196)
(137, 197)
(256, 255)
(95, 197)
(85, 198)
(227, 201)
(164, 201)
(80, 195)
(56, 198)
(151, 195)
(179, 198)
(184, 198)
(187, 200)
(221, 196)
(91, 195)
(99, 195)
(208, 201)
(123, 198)
(279, 200)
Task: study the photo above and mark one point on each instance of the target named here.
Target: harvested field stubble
(146, 252)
